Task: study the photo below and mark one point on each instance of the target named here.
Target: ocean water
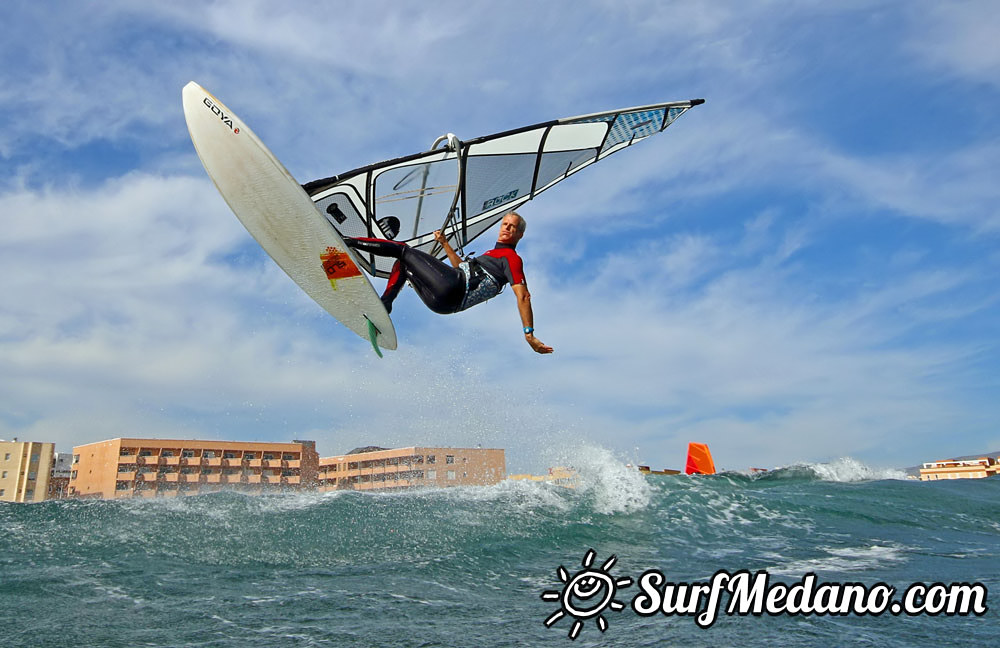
(469, 566)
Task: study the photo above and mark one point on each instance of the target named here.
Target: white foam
(847, 469)
(844, 559)
(614, 486)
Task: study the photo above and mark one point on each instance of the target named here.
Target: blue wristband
(528, 329)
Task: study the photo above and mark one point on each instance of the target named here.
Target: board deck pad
(283, 219)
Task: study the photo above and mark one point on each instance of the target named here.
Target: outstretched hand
(538, 345)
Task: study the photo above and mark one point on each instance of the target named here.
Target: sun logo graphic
(586, 594)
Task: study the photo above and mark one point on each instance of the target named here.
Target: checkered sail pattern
(467, 187)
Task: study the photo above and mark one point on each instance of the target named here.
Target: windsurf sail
(464, 188)
(699, 460)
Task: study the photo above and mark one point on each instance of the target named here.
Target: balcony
(212, 461)
(254, 463)
(254, 479)
(293, 480)
(127, 459)
(172, 478)
(232, 462)
(213, 478)
(292, 463)
(170, 461)
(126, 476)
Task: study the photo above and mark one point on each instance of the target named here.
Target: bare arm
(452, 256)
(528, 318)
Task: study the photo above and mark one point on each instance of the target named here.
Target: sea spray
(614, 486)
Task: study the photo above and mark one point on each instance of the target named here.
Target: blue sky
(803, 268)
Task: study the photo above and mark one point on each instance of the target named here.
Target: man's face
(508, 229)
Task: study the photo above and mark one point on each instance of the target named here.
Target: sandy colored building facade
(375, 468)
(127, 467)
(960, 469)
(25, 468)
(558, 475)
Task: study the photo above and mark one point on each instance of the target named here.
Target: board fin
(699, 460)
(373, 337)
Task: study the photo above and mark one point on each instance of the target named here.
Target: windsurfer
(452, 289)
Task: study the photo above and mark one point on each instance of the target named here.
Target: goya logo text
(226, 119)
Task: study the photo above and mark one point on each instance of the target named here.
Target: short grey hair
(521, 223)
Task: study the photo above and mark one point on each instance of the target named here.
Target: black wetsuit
(443, 288)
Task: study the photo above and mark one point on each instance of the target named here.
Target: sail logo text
(499, 200)
(226, 119)
(590, 592)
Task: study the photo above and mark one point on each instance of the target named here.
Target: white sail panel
(574, 137)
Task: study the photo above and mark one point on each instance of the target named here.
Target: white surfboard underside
(279, 214)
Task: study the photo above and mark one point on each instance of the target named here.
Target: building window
(432, 474)
(32, 475)
(2, 491)
(449, 459)
(6, 457)
(34, 458)
(189, 454)
(431, 459)
(4, 475)
(451, 474)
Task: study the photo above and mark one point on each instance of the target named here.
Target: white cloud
(959, 38)
(138, 304)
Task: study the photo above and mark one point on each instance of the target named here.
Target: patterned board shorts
(479, 285)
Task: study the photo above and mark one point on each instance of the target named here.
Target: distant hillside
(915, 470)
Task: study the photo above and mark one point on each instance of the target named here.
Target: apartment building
(25, 467)
(374, 468)
(62, 467)
(960, 469)
(168, 467)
